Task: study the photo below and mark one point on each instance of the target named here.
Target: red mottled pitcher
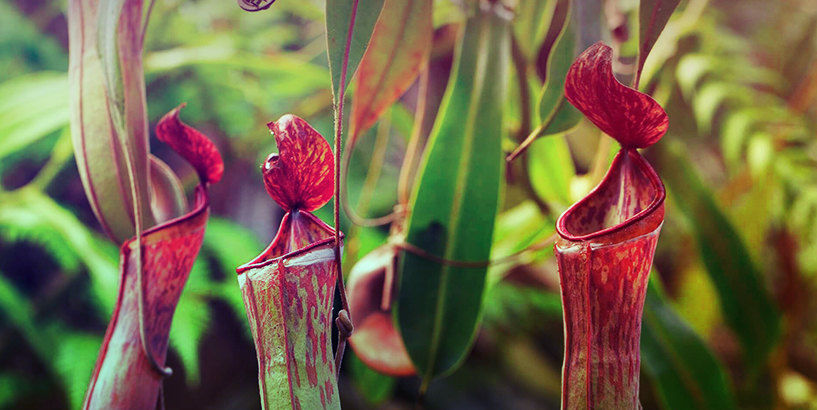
(288, 290)
(607, 241)
(124, 377)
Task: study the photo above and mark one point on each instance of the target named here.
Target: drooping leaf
(453, 210)
(747, 306)
(398, 50)
(633, 118)
(348, 23)
(555, 114)
(687, 375)
(653, 16)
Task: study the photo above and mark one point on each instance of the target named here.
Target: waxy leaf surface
(301, 176)
(454, 206)
(399, 49)
(123, 376)
(348, 22)
(605, 250)
(633, 118)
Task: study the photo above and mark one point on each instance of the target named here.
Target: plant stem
(338, 151)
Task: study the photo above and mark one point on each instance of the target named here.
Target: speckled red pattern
(301, 176)
(604, 252)
(633, 118)
(123, 378)
(196, 148)
(288, 292)
(603, 290)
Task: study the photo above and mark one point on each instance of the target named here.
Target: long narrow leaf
(747, 306)
(653, 16)
(453, 209)
(342, 16)
(399, 48)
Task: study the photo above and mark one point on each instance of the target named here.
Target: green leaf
(26, 207)
(653, 16)
(31, 107)
(555, 113)
(376, 388)
(190, 322)
(398, 50)
(517, 229)
(74, 362)
(551, 170)
(244, 246)
(360, 17)
(17, 310)
(747, 306)
(711, 96)
(454, 207)
(531, 25)
(686, 373)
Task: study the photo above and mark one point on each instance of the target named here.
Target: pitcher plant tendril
(607, 241)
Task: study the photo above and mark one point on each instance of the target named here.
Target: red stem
(338, 132)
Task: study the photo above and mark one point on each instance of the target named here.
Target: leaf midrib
(476, 94)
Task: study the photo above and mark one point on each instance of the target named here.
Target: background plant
(736, 78)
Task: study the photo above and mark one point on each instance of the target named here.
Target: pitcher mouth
(320, 234)
(627, 203)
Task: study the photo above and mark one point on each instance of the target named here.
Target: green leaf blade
(653, 16)
(747, 306)
(686, 373)
(359, 16)
(453, 213)
(399, 49)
